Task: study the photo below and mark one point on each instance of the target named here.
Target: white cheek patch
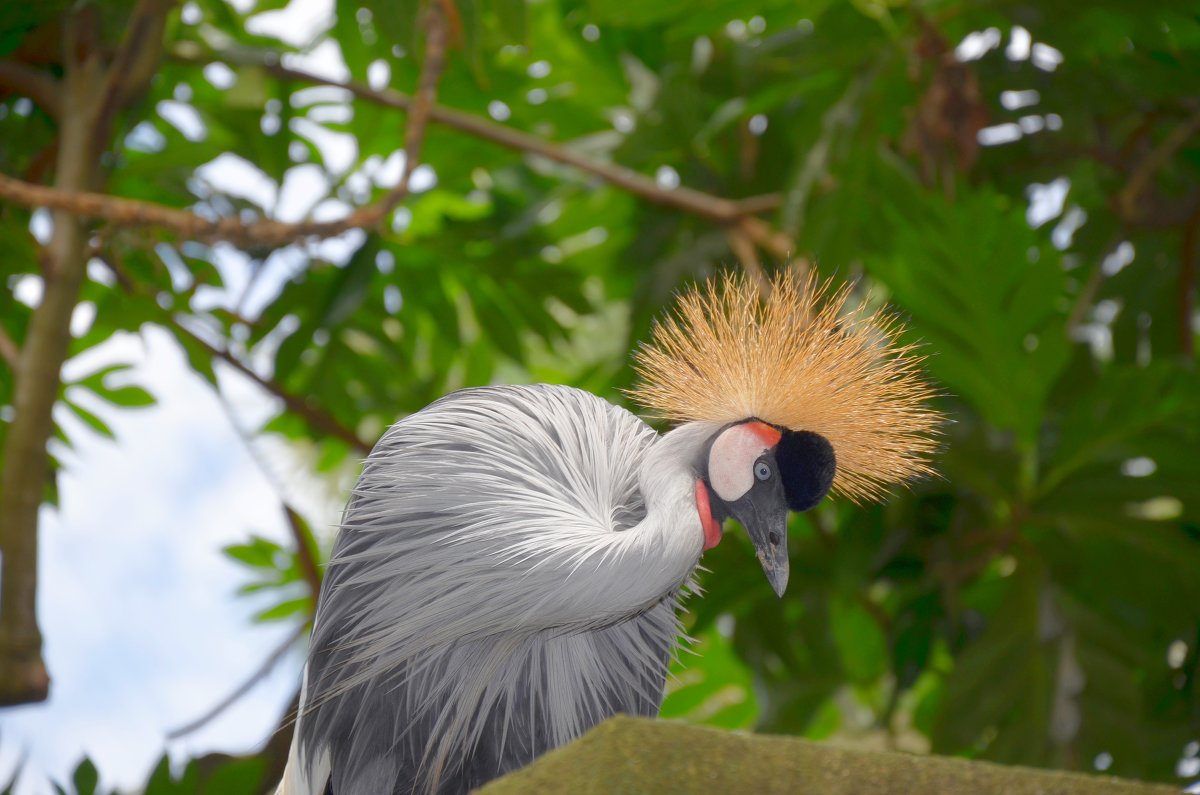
(731, 461)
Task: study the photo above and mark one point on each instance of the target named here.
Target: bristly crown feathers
(801, 358)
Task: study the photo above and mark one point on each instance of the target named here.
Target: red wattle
(712, 528)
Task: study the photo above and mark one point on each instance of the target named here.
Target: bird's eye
(761, 470)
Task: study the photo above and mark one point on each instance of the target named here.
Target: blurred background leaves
(1019, 180)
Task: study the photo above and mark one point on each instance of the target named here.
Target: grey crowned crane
(510, 566)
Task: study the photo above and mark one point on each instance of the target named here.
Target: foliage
(1038, 603)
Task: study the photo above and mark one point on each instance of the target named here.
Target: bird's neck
(669, 470)
(672, 532)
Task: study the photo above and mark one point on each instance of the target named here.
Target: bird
(512, 563)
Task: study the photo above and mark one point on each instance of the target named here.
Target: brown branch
(28, 81)
(266, 232)
(187, 224)
(426, 98)
(23, 676)
(316, 417)
(693, 201)
(778, 244)
(9, 352)
(308, 564)
(1139, 180)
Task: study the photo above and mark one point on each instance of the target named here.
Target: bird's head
(756, 472)
(810, 395)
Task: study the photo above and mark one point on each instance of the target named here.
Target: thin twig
(259, 674)
(426, 98)
(316, 417)
(135, 63)
(29, 81)
(1128, 197)
(1087, 295)
(295, 523)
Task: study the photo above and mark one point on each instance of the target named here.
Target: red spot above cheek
(769, 436)
(712, 528)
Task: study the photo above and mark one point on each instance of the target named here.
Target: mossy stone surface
(637, 756)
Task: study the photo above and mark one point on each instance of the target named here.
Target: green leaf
(161, 781)
(85, 778)
(237, 777)
(513, 20)
(964, 274)
(292, 607)
(860, 640)
(259, 552)
(129, 397)
(1007, 676)
(91, 420)
(350, 289)
(714, 688)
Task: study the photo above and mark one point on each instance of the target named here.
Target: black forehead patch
(806, 464)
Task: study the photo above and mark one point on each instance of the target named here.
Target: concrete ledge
(637, 756)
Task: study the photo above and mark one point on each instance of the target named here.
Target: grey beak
(764, 515)
(770, 547)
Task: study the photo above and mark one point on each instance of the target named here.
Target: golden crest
(801, 358)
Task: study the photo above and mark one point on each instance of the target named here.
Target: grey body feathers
(496, 589)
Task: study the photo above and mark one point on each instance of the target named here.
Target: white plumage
(507, 575)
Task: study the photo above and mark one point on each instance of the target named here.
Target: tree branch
(743, 249)
(320, 420)
(1087, 295)
(696, 202)
(245, 687)
(23, 676)
(308, 564)
(426, 98)
(187, 224)
(28, 81)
